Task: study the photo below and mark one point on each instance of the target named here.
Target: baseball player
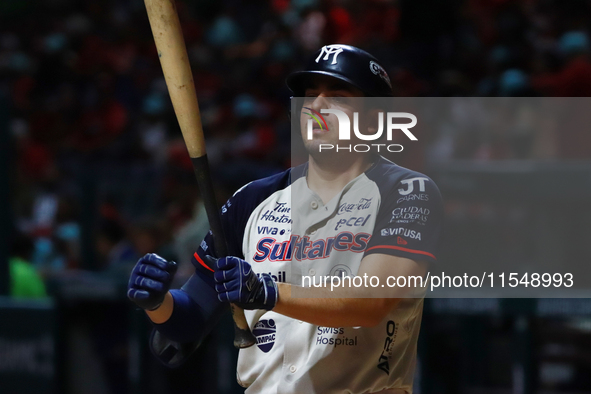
(344, 216)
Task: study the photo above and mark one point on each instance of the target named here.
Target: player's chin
(319, 146)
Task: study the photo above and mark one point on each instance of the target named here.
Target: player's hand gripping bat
(172, 52)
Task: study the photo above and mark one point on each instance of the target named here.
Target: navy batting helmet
(348, 64)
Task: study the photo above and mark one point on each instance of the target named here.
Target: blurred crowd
(97, 145)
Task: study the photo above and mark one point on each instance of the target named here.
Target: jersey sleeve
(410, 220)
(233, 218)
(235, 214)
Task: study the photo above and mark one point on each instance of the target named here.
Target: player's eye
(341, 100)
(309, 98)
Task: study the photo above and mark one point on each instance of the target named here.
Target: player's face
(325, 92)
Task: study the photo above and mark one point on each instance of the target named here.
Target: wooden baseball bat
(172, 52)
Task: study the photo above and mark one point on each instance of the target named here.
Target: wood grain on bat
(177, 72)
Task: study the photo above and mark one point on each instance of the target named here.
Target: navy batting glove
(150, 280)
(238, 284)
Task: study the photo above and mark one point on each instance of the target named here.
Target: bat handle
(243, 337)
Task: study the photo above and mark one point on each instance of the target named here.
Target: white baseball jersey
(283, 228)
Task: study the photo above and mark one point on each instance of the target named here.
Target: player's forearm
(164, 311)
(332, 311)
(180, 319)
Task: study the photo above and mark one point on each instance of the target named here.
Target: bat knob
(243, 338)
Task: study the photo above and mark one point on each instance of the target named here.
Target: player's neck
(328, 178)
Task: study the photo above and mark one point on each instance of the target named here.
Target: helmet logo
(380, 72)
(328, 50)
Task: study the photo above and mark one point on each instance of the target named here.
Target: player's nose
(319, 101)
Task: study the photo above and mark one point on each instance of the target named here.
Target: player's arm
(355, 306)
(182, 315)
(344, 307)
(162, 313)
(186, 314)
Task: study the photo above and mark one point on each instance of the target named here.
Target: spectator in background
(574, 79)
(116, 252)
(186, 238)
(153, 234)
(87, 90)
(25, 282)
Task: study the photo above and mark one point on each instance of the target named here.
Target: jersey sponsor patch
(384, 360)
(408, 214)
(410, 185)
(414, 197)
(280, 277)
(386, 232)
(268, 230)
(353, 221)
(363, 203)
(279, 214)
(264, 332)
(330, 336)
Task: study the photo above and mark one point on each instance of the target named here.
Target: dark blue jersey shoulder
(410, 217)
(236, 211)
(239, 207)
(388, 175)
